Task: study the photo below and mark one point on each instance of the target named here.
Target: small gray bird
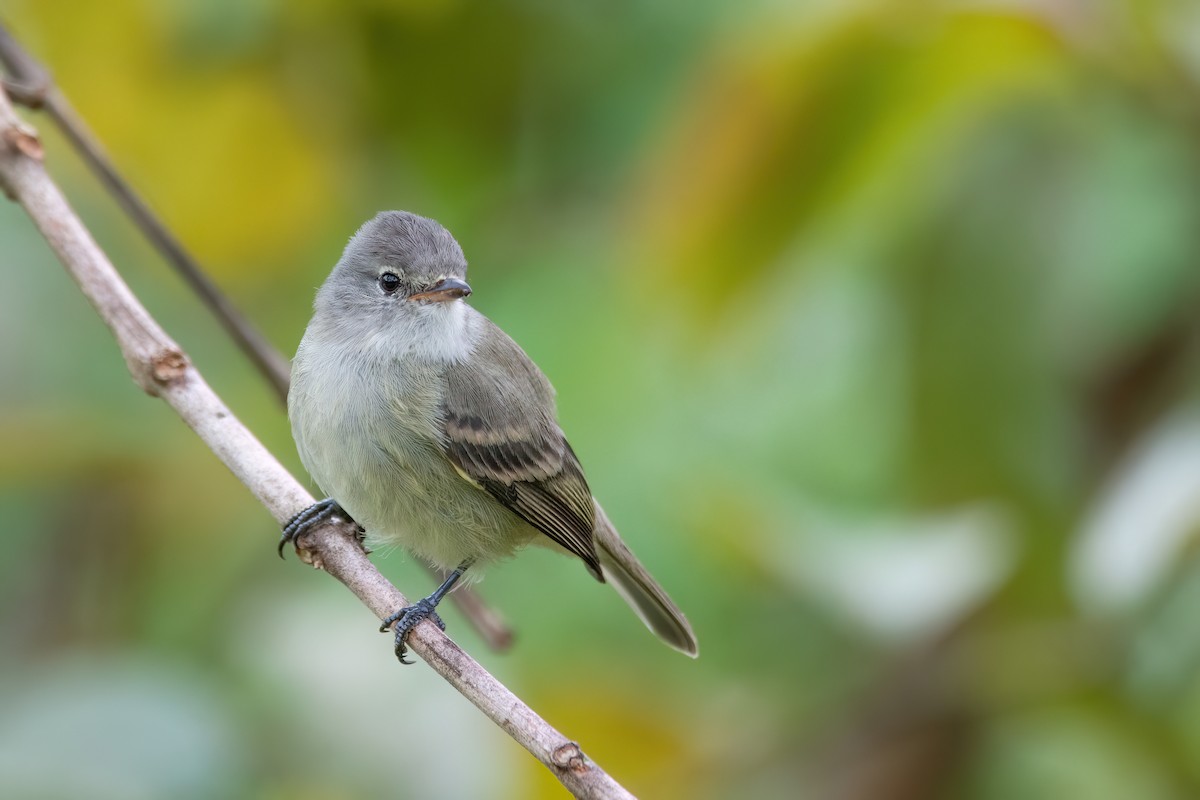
(431, 428)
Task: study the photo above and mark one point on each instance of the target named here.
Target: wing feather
(501, 433)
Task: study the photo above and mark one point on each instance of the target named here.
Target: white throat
(441, 334)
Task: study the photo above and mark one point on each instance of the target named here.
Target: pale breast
(368, 434)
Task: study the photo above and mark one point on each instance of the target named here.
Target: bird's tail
(640, 591)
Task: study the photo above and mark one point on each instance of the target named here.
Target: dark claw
(408, 618)
(313, 515)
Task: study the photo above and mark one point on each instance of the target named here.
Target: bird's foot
(315, 514)
(408, 618)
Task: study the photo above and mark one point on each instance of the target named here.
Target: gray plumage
(435, 431)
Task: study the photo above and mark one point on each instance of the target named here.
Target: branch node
(31, 95)
(28, 82)
(311, 556)
(569, 757)
(21, 136)
(168, 367)
(310, 551)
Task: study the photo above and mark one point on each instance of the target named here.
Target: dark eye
(389, 282)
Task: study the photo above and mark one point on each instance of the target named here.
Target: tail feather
(640, 590)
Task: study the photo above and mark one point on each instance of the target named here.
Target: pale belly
(388, 472)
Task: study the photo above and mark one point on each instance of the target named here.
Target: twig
(161, 369)
(31, 84)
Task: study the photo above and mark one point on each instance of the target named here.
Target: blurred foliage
(873, 323)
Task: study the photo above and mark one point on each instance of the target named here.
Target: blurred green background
(874, 324)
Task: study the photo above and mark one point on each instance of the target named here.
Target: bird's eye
(389, 282)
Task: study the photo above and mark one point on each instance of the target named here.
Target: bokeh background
(875, 324)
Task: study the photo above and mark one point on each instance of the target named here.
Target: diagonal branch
(161, 369)
(32, 85)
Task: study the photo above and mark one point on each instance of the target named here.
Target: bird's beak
(443, 291)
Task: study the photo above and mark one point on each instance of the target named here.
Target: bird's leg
(409, 617)
(313, 515)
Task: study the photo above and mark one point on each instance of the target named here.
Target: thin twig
(32, 85)
(160, 368)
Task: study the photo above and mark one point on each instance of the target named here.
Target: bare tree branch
(161, 369)
(32, 85)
